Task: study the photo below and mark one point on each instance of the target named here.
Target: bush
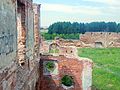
(48, 36)
(54, 51)
(67, 80)
(50, 66)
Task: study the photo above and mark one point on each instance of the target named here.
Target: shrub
(67, 80)
(50, 66)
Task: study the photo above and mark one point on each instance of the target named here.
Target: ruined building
(93, 40)
(100, 39)
(22, 64)
(19, 44)
(65, 64)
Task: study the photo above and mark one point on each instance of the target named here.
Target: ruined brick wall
(30, 32)
(36, 9)
(107, 39)
(27, 78)
(87, 75)
(21, 15)
(27, 73)
(8, 44)
(8, 78)
(44, 47)
(17, 45)
(7, 32)
(70, 51)
(79, 69)
(63, 42)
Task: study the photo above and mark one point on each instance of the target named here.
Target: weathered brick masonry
(100, 39)
(18, 66)
(36, 9)
(66, 62)
(93, 40)
(79, 68)
(8, 32)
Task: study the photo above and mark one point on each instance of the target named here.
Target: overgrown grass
(106, 69)
(54, 51)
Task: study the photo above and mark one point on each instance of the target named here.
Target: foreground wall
(8, 44)
(36, 9)
(8, 32)
(19, 69)
(79, 69)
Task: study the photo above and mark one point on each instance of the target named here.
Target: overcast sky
(79, 10)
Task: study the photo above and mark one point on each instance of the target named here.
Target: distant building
(101, 39)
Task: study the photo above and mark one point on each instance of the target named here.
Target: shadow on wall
(64, 80)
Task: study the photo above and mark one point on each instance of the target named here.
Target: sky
(79, 11)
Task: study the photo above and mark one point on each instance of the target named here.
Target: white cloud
(110, 11)
(107, 2)
(112, 7)
(71, 9)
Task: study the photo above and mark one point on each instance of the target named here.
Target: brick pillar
(21, 33)
(36, 9)
(22, 65)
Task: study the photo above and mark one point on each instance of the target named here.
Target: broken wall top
(36, 8)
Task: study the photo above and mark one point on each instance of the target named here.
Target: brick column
(22, 65)
(21, 32)
(36, 9)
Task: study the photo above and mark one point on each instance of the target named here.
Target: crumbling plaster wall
(30, 33)
(36, 9)
(8, 44)
(8, 77)
(13, 76)
(8, 33)
(27, 74)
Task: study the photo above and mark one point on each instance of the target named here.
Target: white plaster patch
(87, 76)
(67, 88)
(5, 85)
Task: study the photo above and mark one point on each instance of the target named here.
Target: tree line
(75, 27)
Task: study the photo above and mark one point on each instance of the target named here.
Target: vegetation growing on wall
(54, 51)
(67, 80)
(50, 66)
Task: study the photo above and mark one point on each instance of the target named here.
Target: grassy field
(106, 69)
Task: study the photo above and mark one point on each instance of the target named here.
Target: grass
(106, 69)
(54, 51)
